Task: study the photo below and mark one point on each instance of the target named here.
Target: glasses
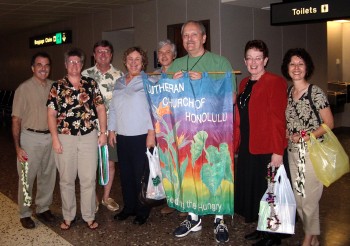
(73, 62)
(106, 51)
(256, 59)
(39, 65)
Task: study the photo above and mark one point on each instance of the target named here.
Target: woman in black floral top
(302, 119)
(74, 105)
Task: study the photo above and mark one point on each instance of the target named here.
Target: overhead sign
(309, 11)
(51, 39)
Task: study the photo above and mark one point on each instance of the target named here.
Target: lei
(272, 221)
(24, 178)
(103, 165)
(300, 179)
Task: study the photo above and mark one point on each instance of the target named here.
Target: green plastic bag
(328, 157)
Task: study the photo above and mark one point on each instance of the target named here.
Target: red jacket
(267, 120)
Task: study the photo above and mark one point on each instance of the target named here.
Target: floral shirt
(76, 108)
(105, 81)
(300, 115)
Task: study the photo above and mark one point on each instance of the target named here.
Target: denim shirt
(129, 113)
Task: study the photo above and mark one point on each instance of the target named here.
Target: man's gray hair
(172, 45)
(198, 23)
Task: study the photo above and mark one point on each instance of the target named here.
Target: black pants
(133, 163)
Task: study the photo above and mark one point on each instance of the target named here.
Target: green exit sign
(59, 38)
(51, 39)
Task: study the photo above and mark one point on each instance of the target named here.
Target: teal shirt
(210, 62)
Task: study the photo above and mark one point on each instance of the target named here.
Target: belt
(38, 131)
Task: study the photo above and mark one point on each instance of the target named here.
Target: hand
(195, 75)
(102, 139)
(178, 75)
(112, 139)
(151, 139)
(294, 138)
(57, 146)
(276, 160)
(22, 156)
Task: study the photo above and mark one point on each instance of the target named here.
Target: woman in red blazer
(260, 107)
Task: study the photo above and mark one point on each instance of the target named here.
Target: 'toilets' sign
(51, 39)
(309, 11)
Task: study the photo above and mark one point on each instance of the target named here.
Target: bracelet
(100, 133)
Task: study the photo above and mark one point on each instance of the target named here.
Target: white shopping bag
(284, 206)
(155, 189)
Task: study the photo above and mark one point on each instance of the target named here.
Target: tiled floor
(335, 216)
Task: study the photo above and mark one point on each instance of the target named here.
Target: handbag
(328, 157)
(152, 191)
(103, 165)
(277, 207)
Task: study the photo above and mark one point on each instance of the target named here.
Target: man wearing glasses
(105, 75)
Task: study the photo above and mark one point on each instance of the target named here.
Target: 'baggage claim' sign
(51, 39)
(309, 11)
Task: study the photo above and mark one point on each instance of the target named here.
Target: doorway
(121, 40)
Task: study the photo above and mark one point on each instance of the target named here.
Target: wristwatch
(100, 133)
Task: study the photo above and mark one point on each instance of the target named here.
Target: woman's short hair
(74, 52)
(142, 53)
(301, 53)
(258, 45)
(168, 42)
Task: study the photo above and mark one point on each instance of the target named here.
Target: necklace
(243, 101)
(188, 57)
(27, 198)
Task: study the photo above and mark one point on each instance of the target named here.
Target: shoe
(27, 223)
(92, 225)
(66, 226)
(110, 204)
(220, 231)
(255, 235)
(46, 216)
(167, 210)
(268, 242)
(123, 215)
(140, 220)
(187, 226)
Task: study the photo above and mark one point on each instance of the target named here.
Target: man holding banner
(193, 114)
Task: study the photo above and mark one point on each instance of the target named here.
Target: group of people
(102, 105)
(272, 124)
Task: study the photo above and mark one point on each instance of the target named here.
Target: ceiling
(18, 15)
(252, 3)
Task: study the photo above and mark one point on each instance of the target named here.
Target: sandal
(92, 225)
(67, 226)
(110, 204)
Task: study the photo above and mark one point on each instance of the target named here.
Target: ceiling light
(341, 21)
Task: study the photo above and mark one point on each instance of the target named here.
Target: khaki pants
(41, 165)
(308, 207)
(79, 157)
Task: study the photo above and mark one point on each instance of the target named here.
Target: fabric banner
(193, 121)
